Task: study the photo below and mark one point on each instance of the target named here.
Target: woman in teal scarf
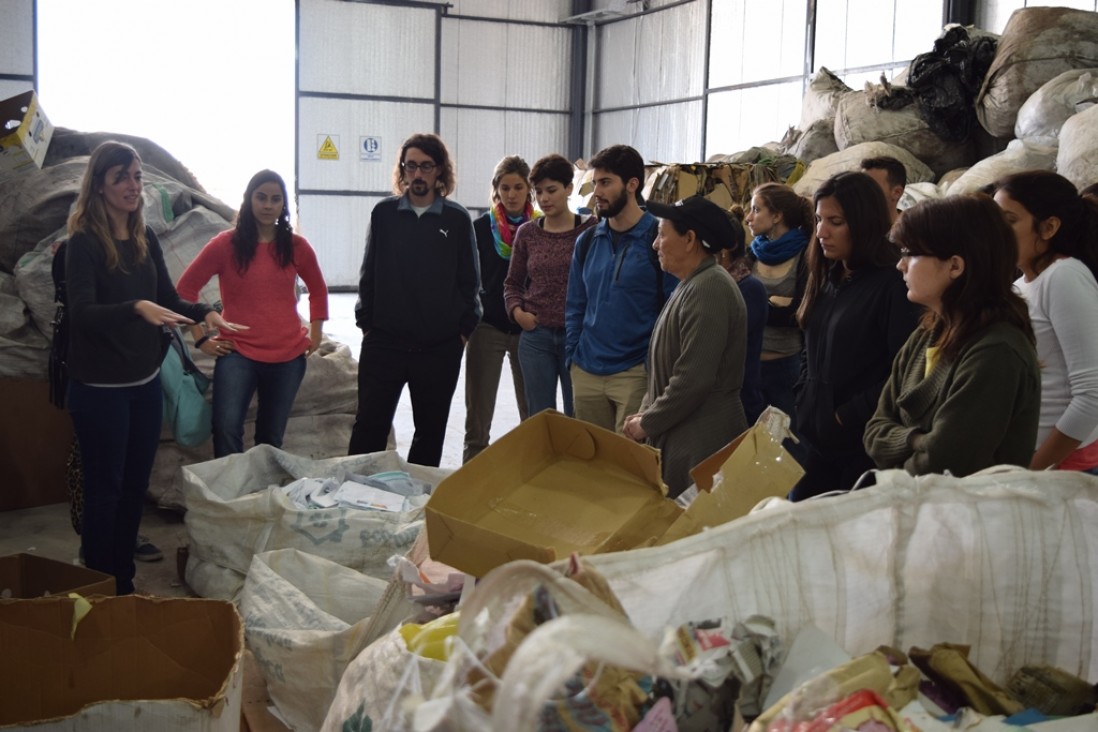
(782, 223)
(496, 335)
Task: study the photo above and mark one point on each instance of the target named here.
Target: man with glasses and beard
(417, 303)
(616, 289)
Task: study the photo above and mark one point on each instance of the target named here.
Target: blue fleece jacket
(614, 297)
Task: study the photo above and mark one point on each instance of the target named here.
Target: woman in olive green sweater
(965, 390)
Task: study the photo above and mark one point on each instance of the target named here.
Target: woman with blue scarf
(782, 223)
(496, 335)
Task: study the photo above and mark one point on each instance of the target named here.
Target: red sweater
(264, 298)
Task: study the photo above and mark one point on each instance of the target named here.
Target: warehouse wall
(492, 77)
(16, 47)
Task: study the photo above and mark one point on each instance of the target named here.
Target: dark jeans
(237, 379)
(776, 380)
(824, 473)
(541, 354)
(118, 429)
(431, 374)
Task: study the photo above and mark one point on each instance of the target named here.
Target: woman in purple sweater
(537, 281)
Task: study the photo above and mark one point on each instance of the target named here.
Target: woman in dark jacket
(856, 316)
(496, 335)
(120, 298)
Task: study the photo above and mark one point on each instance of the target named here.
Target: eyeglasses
(413, 166)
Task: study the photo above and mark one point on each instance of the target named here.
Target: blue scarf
(776, 251)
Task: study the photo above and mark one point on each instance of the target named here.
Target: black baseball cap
(708, 220)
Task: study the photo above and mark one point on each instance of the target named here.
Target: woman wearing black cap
(696, 354)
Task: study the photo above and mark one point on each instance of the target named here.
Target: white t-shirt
(1063, 307)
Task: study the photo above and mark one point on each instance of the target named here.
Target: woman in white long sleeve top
(1057, 234)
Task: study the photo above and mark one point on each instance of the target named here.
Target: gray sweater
(695, 372)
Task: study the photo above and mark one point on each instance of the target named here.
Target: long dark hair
(971, 227)
(246, 232)
(89, 215)
(1046, 194)
(867, 216)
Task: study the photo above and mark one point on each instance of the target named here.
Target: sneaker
(145, 551)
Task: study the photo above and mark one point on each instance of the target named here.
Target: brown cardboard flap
(126, 648)
(751, 468)
(24, 576)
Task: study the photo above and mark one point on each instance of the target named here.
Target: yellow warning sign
(329, 148)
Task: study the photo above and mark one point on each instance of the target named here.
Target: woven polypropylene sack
(235, 510)
(1005, 562)
(1037, 45)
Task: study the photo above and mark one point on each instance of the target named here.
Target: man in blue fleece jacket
(418, 302)
(615, 292)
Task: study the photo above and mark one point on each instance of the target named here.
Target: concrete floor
(46, 530)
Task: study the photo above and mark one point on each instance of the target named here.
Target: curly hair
(246, 232)
(89, 215)
(432, 146)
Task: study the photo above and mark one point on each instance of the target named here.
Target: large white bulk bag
(1046, 110)
(305, 619)
(235, 510)
(1020, 155)
(851, 159)
(1037, 45)
(1006, 562)
(821, 99)
(1077, 159)
(856, 121)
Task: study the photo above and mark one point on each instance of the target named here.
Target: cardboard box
(29, 575)
(35, 440)
(25, 134)
(133, 663)
(552, 486)
(752, 467)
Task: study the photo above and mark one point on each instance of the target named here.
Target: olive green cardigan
(978, 411)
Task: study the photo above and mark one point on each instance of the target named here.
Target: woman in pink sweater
(257, 264)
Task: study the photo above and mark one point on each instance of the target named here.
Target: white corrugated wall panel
(750, 117)
(361, 48)
(752, 40)
(17, 39)
(669, 133)
(336, 227)
(652, 58)
(500, 65)
(349, 120)
(543, 11)
(479, 138)
(11, 88)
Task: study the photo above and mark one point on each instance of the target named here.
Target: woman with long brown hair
(120, 299)
(855, 316)
(964, 393)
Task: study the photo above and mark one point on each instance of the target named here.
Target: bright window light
(210, 81)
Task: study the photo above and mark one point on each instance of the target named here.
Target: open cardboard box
(733, 480)
(130, 663)
(29, 575)
(552, 486)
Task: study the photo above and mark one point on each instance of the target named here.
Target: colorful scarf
(776, 251)
(504, 235)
